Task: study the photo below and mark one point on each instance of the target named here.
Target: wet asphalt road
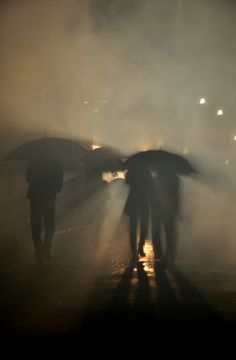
(84, 293)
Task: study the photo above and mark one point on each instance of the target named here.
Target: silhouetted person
(45, 177)
(164, 213)
(137, 206)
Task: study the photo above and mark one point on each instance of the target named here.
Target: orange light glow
(185, 151)
(144, 147)
(110, 176)
(148, 266)
(95, 146)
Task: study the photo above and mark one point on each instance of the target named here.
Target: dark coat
(45, 177)
(140, 182)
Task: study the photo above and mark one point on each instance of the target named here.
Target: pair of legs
(42, 211)
(168, 221)
(141, 216)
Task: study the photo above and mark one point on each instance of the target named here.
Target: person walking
(45, 178)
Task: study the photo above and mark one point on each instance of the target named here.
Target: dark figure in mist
(137, 206)
(165, 210)
(45, 177)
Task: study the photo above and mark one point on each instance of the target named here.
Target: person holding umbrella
(137, 205)
(45, 178)
(165, 211)
(165, 196)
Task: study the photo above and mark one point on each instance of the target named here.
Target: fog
(131, 74)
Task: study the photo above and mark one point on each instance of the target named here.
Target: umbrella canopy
(103, 159)
(162, 160)
(67, 151)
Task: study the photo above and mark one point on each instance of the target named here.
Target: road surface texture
(94, 290)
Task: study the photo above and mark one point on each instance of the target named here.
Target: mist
(131, 74)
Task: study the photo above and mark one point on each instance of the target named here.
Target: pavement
(90, 288)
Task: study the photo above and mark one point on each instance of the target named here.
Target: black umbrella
(103, 159)
(67, 151)
(163, 160)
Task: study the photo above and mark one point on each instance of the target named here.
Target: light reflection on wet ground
(145, 267)
(150, 293)
(64, 296)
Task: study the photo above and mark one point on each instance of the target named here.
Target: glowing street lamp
(202, 101)
(220, 112)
